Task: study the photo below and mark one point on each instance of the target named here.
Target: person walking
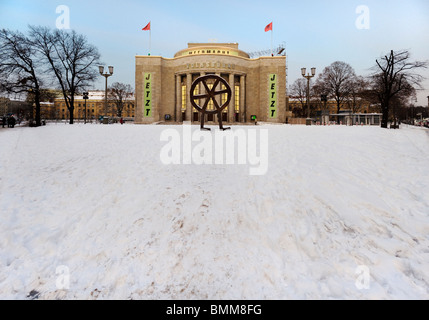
(4, 120)
(11, 122)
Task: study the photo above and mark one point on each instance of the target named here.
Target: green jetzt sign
(272, 91)
(147, 100)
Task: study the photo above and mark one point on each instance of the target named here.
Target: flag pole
(272, 38)
(148, 28)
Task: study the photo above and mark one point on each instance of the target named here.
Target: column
(188, 97)
(218, 99)
(202, 90)
(231, 106)
(243, 107)
(178, 107)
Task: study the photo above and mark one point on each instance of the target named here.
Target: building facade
(95, 107)
(258, 86)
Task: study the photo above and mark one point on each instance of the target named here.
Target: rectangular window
(210, 105)
(183, 96)
(223, 97)
(237, 98)
(196, 91)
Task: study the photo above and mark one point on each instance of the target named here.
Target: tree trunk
(37, 116)
(385, 115)
(394, 116)
(71, 115)
(338, 111)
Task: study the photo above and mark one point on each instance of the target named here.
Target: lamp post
(106, 75)
(308, 77)
(85, 97)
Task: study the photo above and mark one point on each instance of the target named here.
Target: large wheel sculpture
(210, 94)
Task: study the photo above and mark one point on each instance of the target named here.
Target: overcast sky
(315, 32)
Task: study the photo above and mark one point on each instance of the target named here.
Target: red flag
(269, 27)
(147, 28)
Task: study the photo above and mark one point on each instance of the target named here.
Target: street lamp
(308, 77)
(106, 75)
(85, 97)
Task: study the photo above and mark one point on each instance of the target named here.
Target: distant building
(95, 107)
(365, 113)
(349, 118)
(258, 85)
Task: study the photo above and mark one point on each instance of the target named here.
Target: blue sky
(315, 32)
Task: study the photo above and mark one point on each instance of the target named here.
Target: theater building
(258, 86)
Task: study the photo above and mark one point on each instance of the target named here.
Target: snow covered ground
(92, 212)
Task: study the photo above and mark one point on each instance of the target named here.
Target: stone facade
(95, 107)
(258, 85)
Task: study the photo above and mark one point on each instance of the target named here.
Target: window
(237, 98)
(196, 91)
(223, 97)
(210, 105)
(183, 96)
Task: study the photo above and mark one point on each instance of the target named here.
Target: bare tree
(20, 69)
(395, 75)
(356, 98)
(298, 90)
(119, 94)
(70, 57)
(335, 81)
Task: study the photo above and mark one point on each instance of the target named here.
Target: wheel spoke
(215, 85)
(215, 103)
(222, 91)
(206, 86)
(205, 104)
(200, 96)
